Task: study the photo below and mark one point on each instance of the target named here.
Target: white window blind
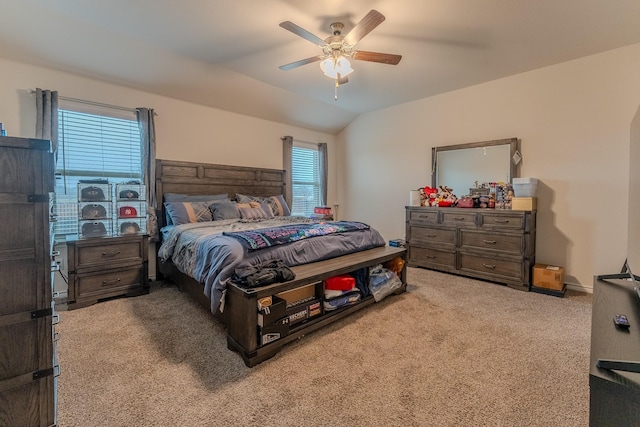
(305, 177)
(92, 146)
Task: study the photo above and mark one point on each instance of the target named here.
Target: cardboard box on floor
(548, 277)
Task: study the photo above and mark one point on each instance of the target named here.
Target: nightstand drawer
(110, 283)
(107, 252)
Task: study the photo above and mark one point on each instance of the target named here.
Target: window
(305, 176)
(92, 146)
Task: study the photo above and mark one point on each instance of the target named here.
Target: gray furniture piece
(614, 393)
(28, 365)
(106, 267)
(490, 244)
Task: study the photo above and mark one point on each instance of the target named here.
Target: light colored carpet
(451, 351)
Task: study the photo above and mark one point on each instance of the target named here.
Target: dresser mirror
(461, 166)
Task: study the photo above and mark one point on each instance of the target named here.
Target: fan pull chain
(335, 96)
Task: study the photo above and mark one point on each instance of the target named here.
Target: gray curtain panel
(147, 127)
(324, 171)
(47, 117)
(287, 153)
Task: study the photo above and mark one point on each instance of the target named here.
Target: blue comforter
(203, 252)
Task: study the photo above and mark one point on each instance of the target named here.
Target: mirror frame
(513, 148)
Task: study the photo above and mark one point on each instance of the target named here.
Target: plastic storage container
(131, 209)
(525, 187)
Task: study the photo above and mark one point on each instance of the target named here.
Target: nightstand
(105, 267)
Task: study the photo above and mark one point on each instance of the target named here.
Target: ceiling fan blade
(384, 58)
(299, 31)
(302, 62)
(364, 27)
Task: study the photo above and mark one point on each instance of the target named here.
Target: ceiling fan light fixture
(332, 67)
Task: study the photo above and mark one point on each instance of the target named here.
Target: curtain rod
(95, 104)
(306, 142)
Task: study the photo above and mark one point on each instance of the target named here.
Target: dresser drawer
(423, 216)
(426, 257)
(459, 219)
(506, 221)
(510, 243)
(108, 251)
(511, 269)
(109, 283)
(432, 235)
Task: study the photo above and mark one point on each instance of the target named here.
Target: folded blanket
(267, 237)
(334, 299)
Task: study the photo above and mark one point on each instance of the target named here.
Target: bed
(201, 256)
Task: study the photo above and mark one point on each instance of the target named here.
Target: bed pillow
(178, 197)
(224, 210)
(187, 212)
(277, 203)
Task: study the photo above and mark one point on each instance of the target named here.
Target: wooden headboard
(204, 178)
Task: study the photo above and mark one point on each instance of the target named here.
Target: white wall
(573, 120)
(184, 131)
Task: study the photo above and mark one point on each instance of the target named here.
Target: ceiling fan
(337, 48)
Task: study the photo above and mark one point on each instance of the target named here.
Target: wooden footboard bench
(241, 304)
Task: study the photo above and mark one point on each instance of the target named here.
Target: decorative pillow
(264, 206)
(186, 212)
(254, 213)
(177, 197)
(224, 210)
(277, 203)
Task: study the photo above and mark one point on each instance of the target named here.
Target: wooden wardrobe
(28, 366)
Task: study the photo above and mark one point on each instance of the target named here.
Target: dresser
(490, 244)
(106, 267)
(28, 365)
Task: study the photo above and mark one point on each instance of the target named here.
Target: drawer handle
(489, 242)
(491, 266)
(110, 254)
(430, 257)
(432, 235)
(459, 218)
(423, 216)
(110, 282)
(501, 221)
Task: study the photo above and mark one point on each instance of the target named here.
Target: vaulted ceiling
(226, 53)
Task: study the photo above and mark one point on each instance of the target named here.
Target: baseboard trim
(580, 288)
